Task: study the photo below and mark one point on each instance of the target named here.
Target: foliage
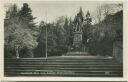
(59, 38)
(16, 36)
(25, 15)
(105, 33)
(21, 33)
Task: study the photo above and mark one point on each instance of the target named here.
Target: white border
(125, 52)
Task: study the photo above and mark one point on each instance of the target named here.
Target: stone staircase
(63, 66)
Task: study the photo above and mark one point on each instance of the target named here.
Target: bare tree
(120, 5)
(106, 9)
(99, 13)
(102, 11)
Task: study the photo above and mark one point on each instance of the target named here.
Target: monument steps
(84, 67)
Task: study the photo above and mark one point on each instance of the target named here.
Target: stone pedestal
(77, 41)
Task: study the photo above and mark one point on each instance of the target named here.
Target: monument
(79, 25)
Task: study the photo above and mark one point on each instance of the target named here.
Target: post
(46, 42)
(46, 35)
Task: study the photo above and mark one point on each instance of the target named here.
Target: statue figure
(78, 25)
(78, 21)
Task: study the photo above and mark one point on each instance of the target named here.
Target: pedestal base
(77, 53)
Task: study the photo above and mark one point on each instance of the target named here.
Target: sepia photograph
(63, 39)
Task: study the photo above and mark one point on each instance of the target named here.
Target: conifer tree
(26, 17)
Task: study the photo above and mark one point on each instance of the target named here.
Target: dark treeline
(105, 33)
(25, 39)
(59, 38)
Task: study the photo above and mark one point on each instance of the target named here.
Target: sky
(50, 11)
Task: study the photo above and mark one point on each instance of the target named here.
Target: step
(61, 68)
(59, 58)
(55, 62)
(67, 65)
(63, 73)
(94, 67)
(68, 57)
(50, 60)
(41, 64)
